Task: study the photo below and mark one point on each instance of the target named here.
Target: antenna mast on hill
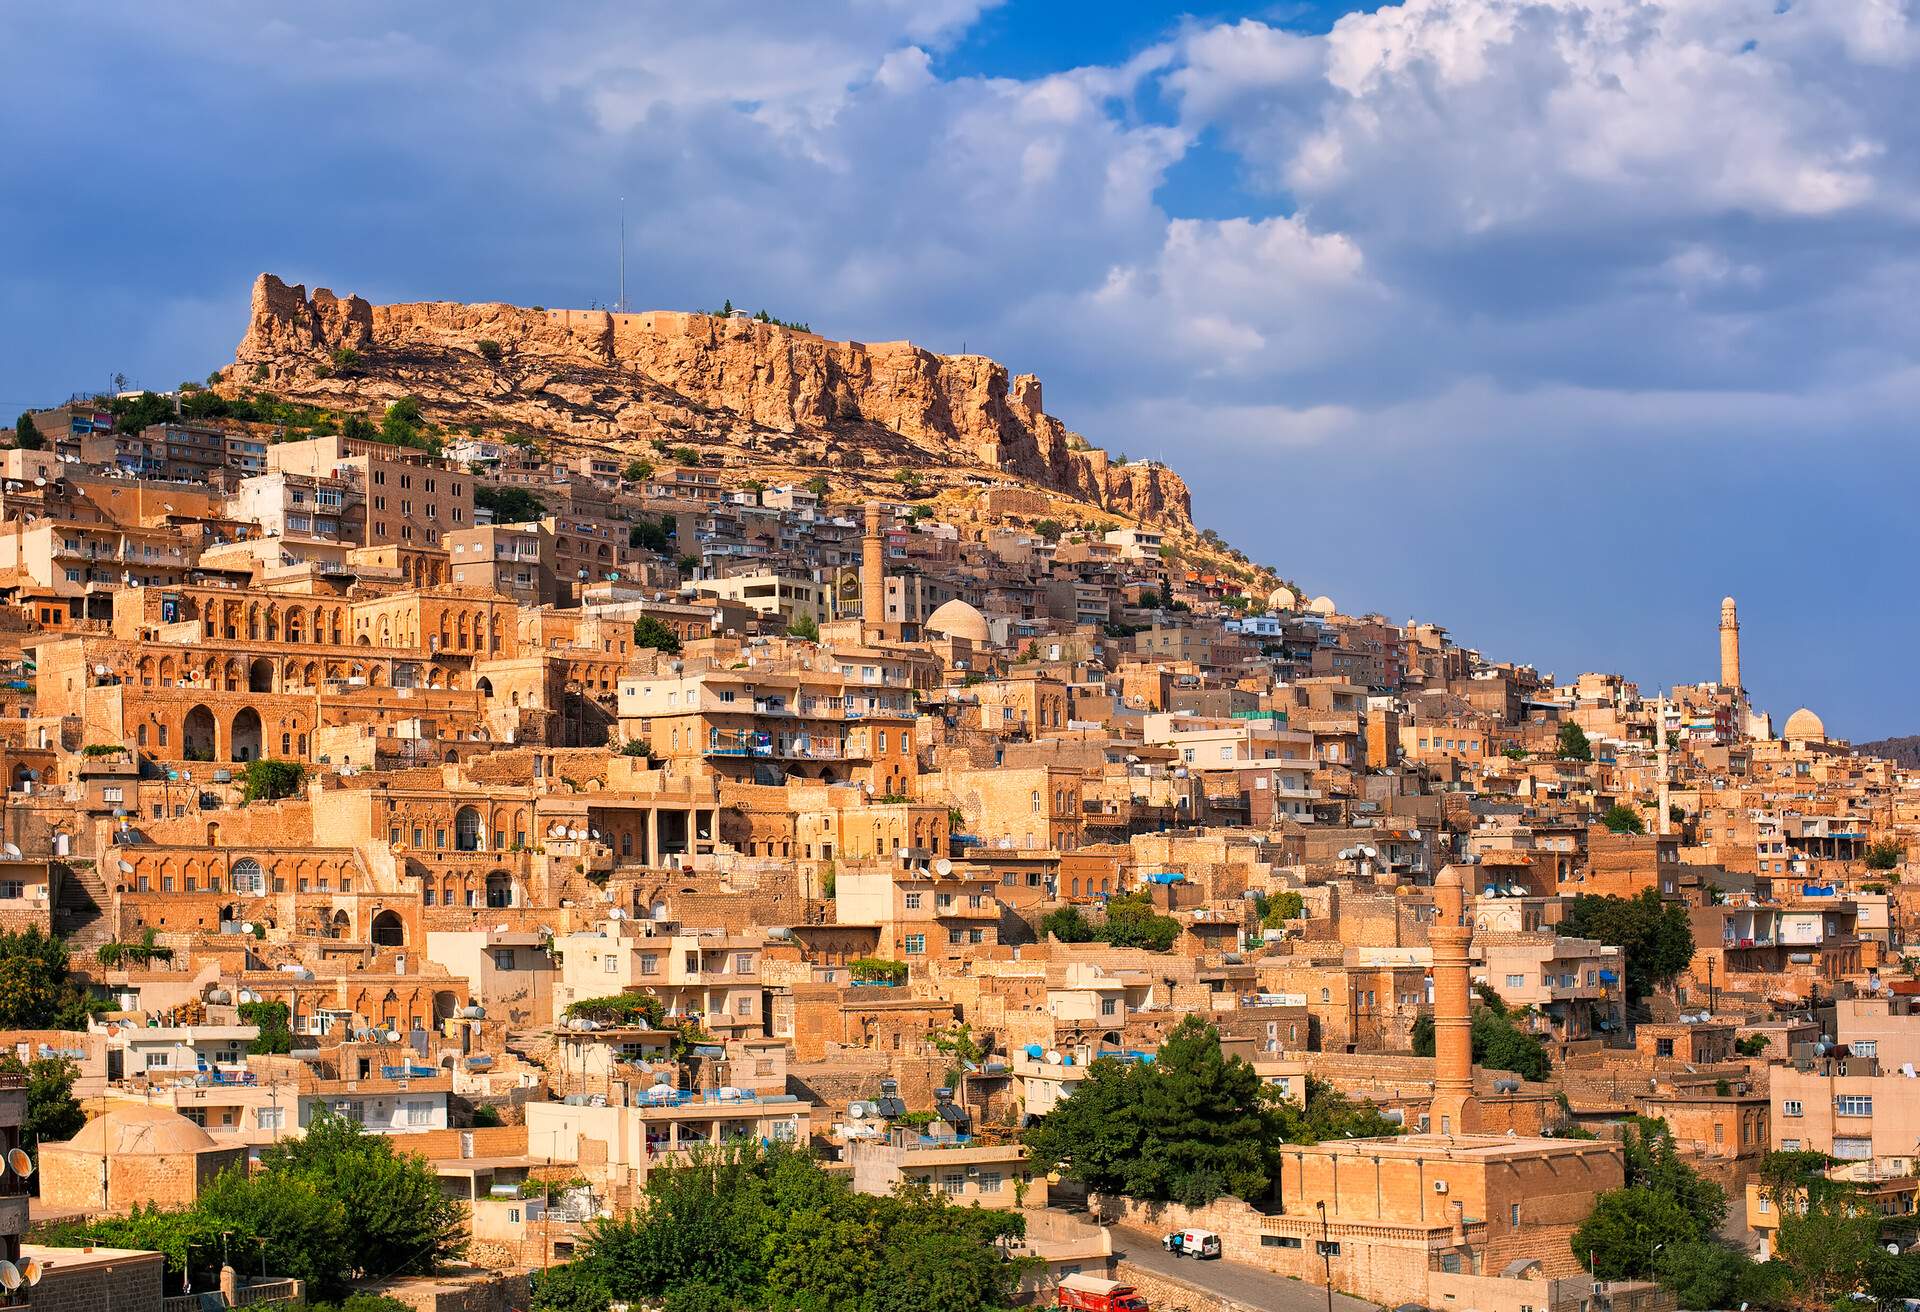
(623, 255)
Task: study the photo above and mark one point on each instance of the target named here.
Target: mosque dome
(1282, 599)
(142, 1132)
(1804, 726)
(1322, 605)
(956, 619)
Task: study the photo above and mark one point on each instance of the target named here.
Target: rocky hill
(1903, 752)
(739, 391)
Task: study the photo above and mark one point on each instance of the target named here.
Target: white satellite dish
(246, 927)
(943, 867)
(1053, 1058)
(857, 1110)
(126, 868)
(11, 850)
(393, 1036)
(20, 1163)
(616, 914)
(10, 1276)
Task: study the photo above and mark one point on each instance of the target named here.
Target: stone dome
(956, 619)
(1804, 726)
(141, 1132)
(1322, 605)
(1282, 599)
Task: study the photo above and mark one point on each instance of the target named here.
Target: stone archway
(198, 734)
(247, 735)
(260, 675)
(387, 931)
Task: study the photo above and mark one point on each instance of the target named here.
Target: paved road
(1248, 1285)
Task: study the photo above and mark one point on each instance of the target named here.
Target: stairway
(80, 909)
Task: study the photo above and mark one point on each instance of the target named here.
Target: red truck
(1092, 1294)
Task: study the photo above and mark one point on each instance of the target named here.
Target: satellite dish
(246, 927)
(393, 1036)
(126, 868)
(943, 867)
(20, 1163)
(33, 1269)
(1053, 1058)
(616, 914)
(10, 1275)
(11, 850)
(857, 1110)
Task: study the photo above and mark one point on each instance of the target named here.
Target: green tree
(399, 1222)
(1653, 1162)
(621, 1009)
(1498, 1043)
(650, 632)
(1621, 1237)
(805, 628)
(818, 485)
(1702, 1273)
(37, 992)
(267, 780)
(131, 414)
(309, 1229)
(1330, 1114)
(1885, 855)
(1573, 743)
(26, 434)
(1654, 935)
(1281, 907)
(53, 1113)
(651, 534)
(577, 1286)
(1133, 923)
(276, 1031)
(1050, 529)
(1752, 1045)
(1623, 819)
(1830, 1247)
(1188, 1127)
(637, 471)
(489, 350)
(1067, 924)
(510, 505)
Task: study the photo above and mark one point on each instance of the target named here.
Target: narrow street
(1247, 1285)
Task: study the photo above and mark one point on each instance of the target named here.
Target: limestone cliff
(768, 395)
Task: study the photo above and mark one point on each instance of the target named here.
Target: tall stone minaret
(1729, 644)
(1454, 1110)
(873, 570)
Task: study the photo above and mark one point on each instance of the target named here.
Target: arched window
(248, 880)
(468, 833)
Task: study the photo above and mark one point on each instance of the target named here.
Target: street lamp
(1326, 1249)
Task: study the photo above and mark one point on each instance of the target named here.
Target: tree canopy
(510, 505)
(1188, 1127)
(26, 434)
(53, 1113)
(1499, 1044)
(1623, 819)
(1573, 744)
(37, 991)
(767, 1228)
(1655, 936)
(651, 632)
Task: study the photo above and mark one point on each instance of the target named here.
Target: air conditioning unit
(1439, 1186)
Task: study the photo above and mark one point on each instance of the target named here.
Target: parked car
(1192, 1243)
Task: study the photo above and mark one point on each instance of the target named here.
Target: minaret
(1453, 1110)
(1729, 644)
(873, 570)
(1661, 766)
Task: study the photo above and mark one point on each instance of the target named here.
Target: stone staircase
(80, 908)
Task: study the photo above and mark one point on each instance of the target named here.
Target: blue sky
(1548, 320)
